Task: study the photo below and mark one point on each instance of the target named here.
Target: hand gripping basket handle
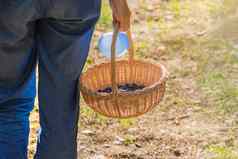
(113, 56)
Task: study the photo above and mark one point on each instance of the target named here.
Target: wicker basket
(123, 104)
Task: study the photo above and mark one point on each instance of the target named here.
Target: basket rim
(163, 79)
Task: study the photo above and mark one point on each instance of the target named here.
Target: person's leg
(17, 77)
(63, 45)
(14, 120)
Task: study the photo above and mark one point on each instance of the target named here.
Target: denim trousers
(55, 35)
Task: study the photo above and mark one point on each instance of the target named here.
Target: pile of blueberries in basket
(123, 88)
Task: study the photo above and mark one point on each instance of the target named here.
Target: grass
(221, 90)
(216, 77)
(105, 21)
(176, 7)
(126, 123)
(222, 152)
(129, 139)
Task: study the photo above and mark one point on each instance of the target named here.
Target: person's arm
(121, 14)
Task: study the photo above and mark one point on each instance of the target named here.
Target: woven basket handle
(113, 56)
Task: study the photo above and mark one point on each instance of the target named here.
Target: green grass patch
(222, 152)
(216, 75)
(126, 123)
(129, 139)
(105, 20)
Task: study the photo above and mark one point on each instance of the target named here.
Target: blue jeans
(55, 34)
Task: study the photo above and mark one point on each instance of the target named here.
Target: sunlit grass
(222, 152)
(175, 6)
(105, 21)
(126, 123)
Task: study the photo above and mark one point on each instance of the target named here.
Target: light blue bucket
(105, 43)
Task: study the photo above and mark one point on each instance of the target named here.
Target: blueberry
(124, 88)
(108, 90)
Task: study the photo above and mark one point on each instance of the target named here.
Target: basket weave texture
(121, 104)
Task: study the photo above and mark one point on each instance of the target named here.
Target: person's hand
(121, 14)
